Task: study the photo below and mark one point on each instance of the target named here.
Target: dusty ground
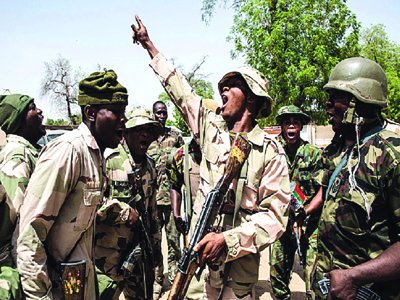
(263, 287)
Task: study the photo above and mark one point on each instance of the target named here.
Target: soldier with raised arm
(260, 195)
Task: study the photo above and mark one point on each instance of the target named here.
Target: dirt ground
(263, 287)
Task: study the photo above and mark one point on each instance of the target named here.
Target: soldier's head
(19, 115)
(103, 100)
(291, 119)
(160, 112)
(244, 89)
(357, 90)
(141, 130)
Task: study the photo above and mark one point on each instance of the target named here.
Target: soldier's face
(234, 94)
(139, 139)
(109, 125)
(337, 105)
(291, 128)
(34, 122)
(161, 113)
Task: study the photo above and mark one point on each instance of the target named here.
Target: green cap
(290, 111)
(102, 88)
(257, 83)
(12, 108)
(142, 116)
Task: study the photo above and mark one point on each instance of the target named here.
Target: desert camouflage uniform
(17, 162)
(196, 287)
(347, 237)
(266, 193)
(301, 171)
(59, 207)
(160, 151)
(113, 239)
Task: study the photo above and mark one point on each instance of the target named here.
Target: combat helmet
(141, 116)
(257, 83)
(292, 110)
(361, 77)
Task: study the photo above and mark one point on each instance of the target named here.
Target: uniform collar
(13, 138)
(88, 137)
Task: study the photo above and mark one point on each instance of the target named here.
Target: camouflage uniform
(301, 170)
(113, 238)
(160, 151)
(349, 233)
(196, 286)
(62, 197)
(17, 162)
(262, 217)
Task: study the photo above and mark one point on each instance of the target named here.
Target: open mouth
(144, 143)
(291, 134)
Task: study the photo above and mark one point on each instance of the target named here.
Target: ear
(251, 99)
(90, 113)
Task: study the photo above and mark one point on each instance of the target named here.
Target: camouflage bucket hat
(257, 83)
(361, 77)
(12, 108)
(140, 116)
(102, 88)
(290, 111)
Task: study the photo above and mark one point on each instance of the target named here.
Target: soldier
(262, 194)
(160, 150)
(118, 229)
(302, 159)
(358, 232)
(22, 121)
(56, 238)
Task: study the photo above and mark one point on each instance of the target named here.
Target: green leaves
(295, 43)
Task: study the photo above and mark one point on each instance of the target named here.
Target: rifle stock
(188, 263)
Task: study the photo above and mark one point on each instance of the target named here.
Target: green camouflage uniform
(113, 238)
(160, 151)
(301, 171)
(353, 231)
(59, 207)
(263, 212)
(17, 162)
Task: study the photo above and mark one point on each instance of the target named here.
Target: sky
(91, 33)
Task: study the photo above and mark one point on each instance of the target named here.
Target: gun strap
(239, 190)
(186, 168)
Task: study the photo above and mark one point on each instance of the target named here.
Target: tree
(295, 43)
(376, 45)
(60, 86)
(201, 87)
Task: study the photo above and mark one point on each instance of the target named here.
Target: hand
(342, 286)
(211, 248)
(180, 224)
(133, 219)
(140, 33)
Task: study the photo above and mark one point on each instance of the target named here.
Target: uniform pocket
(88, 207)
(352, 214)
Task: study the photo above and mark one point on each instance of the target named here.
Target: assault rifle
(363, 293)
(141, 254)
(189, 261)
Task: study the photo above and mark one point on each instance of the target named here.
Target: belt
(229, 209)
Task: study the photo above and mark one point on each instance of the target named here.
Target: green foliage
(376, 45)
(57, 122)
(295, 43)
(201, 87)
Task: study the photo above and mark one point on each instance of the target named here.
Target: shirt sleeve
(53, 179)
(179, 91)
(177, 171)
